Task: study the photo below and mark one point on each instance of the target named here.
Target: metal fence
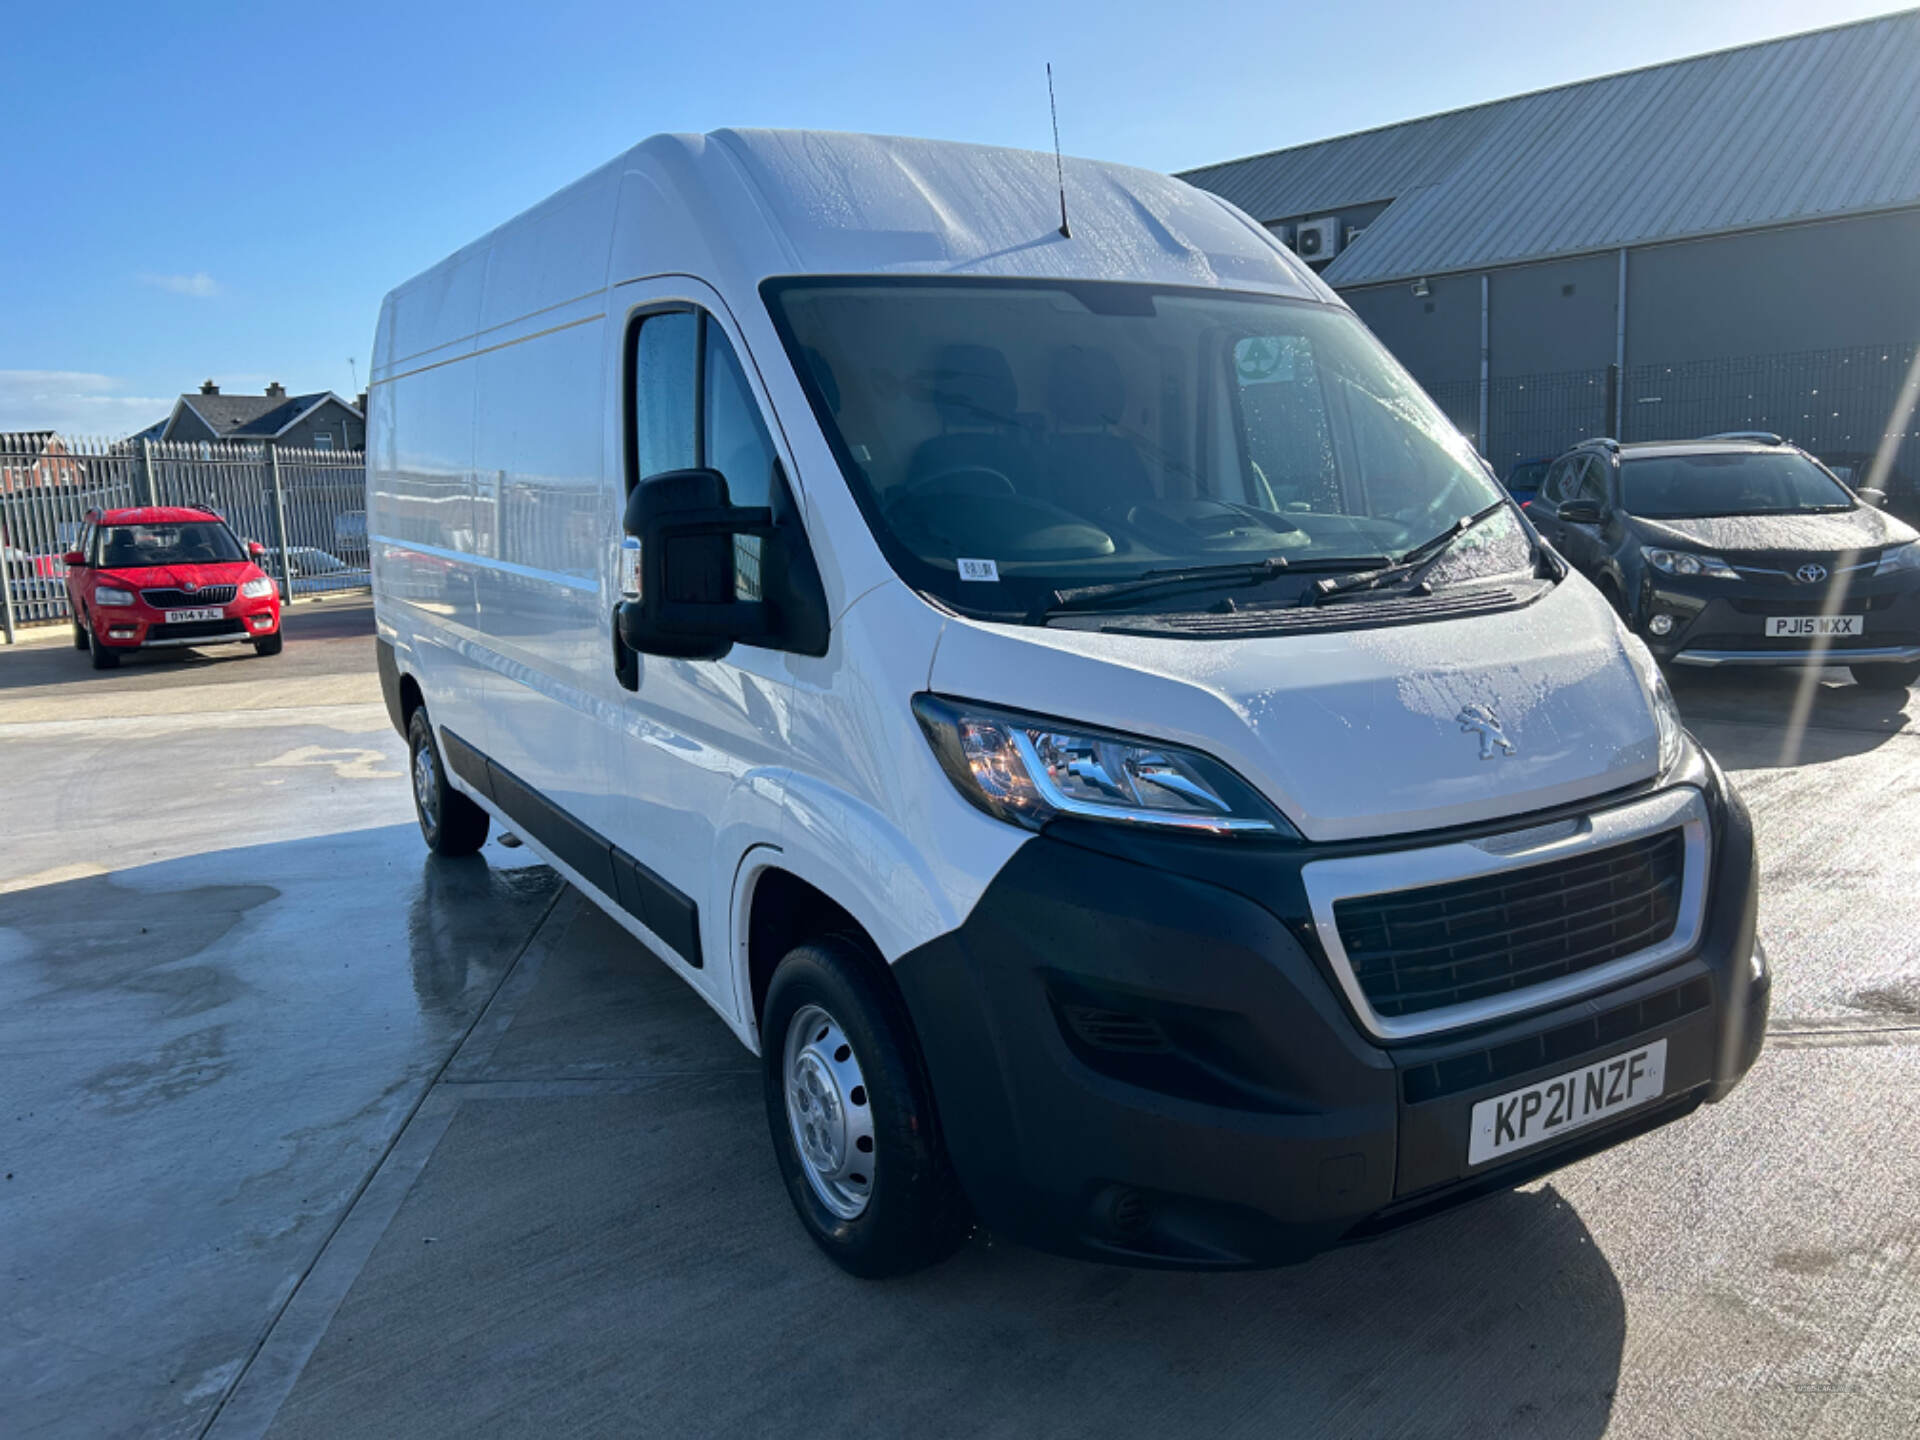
(308, 507)
(1837, 404)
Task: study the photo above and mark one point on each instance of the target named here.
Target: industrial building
(1727, 241)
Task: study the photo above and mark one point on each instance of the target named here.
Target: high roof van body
(1060, 693)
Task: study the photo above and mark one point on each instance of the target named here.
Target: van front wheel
(852, 1116)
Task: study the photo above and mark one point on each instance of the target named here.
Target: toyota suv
(1739, 550)
(164, 577)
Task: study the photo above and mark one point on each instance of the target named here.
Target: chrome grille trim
(171, 597)
(1329, 881)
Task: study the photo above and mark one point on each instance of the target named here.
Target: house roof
(1810, 126)
(257, 417)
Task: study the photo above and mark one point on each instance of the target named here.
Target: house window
(323, 441)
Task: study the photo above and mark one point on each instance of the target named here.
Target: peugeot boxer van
(1056, 688)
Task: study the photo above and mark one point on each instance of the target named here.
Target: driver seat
(972, 389)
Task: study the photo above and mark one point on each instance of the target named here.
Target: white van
(1062, 694)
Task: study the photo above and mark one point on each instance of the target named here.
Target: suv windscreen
(186, 542)
(1676, 487)
(1008, 438)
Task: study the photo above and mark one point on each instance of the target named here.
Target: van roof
(737, 206)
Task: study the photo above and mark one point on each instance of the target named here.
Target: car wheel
(851, 1115)
(1884, 677)
(104, 656)
(79, 634)
(450, 823)
(268, 644)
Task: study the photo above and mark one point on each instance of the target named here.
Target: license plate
(1551, 1108)
(177, 617)
(1808, 627)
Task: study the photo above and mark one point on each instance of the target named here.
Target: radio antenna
(1059, 170)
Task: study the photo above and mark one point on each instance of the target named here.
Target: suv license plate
(1550, 1108)
(179, 617)
(1806, 627)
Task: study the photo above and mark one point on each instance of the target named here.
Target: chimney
(276, 391)
(207, 387)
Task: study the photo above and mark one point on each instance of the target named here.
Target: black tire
(105, 657)
(450, 823)
(79, 634)
(268, 644)
(914, 1212)
(1885, 677)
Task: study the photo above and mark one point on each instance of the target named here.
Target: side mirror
(256, 551)
(709, 573)
(1580, 512)
(73, 560)
(1870, 496)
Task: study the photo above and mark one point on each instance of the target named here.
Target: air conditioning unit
(1354, 232)
(1317, 239)
(1282, 233)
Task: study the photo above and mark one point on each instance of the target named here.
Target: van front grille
(1441, 945)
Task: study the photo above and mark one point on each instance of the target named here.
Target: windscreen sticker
(979, 570)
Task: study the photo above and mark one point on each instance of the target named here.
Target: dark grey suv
(1735, 551)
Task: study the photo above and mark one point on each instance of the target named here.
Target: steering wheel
(981, 481)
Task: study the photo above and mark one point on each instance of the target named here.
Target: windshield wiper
(1410, 570)
(1196, 577)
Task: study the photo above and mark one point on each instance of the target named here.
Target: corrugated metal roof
(1821, 124)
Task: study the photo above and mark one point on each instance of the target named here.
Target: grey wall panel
(1437, 337)
(1806, 287)
(1538, 328)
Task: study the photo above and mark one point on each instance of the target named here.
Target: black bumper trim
(1138, 1054)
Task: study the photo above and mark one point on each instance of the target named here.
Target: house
(37, 460)
(320, 421)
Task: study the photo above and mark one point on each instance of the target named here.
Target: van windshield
(1007, 439)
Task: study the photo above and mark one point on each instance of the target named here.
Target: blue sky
(227, 191)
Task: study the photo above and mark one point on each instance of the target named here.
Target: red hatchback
(163, 577)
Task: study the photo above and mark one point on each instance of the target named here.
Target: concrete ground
(308, 1134)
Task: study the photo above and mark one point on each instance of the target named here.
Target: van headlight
(1685, 562)
(1666, 714)
(256, 587)
(1027, 769)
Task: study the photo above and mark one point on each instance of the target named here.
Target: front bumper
(1724, 622)
(142, 628)
(1138, 1052)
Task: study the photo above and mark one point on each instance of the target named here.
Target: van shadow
(1763, 718)
(649, 1204)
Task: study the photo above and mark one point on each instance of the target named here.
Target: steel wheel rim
(829, 1112)
(425, 791)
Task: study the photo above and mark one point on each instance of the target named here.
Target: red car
(162, 577)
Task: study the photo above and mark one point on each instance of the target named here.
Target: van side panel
(546, 525)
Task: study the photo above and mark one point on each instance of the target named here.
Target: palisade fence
(1836, 404)
(308, 507)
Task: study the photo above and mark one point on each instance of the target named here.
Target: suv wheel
(268, 644)
(1884, 677)
(105, 657)
(852, 1118)
(79, 633)
(450, 823)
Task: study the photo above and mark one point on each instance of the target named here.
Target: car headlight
(1900, 560)
(1666, 714)
(1027, 769)
(107, 595)
(1686, 562)
(254, 589)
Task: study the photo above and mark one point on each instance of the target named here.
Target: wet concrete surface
(311, 1136)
